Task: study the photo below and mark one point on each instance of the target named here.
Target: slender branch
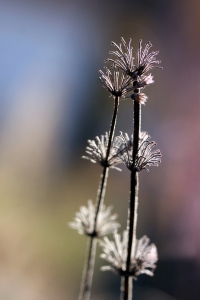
(101, 194)
(134, 184)
(126, 285)
(101, 190)
(112, 126)
(89, 267)
(87, 277)
(88, 270)
(133, 203)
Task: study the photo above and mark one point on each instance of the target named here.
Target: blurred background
(51, 102)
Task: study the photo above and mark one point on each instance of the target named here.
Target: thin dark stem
(88, 272)
(101, 193)
(126, 286)
(112, 126)
(133, 203)
(102, 188)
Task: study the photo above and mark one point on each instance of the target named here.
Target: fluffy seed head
(143, 256)
(124, 59)
(97, 151)
(145, 156)
(145, 60)
(115, 83)
(84, 221)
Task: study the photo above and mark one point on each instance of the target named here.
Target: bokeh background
(51, 102)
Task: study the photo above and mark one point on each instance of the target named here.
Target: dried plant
(145, 62)
(128, 256)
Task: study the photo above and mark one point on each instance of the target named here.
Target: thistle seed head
(143, 256)
(117, 83)
(145, 156)
(97, 151)
(124, 59)
(84, 221)
(145, 60)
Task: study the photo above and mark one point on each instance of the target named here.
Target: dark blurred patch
(173, 279)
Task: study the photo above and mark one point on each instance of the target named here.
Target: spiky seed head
(145, 156)
(84, 221)
(143, 257)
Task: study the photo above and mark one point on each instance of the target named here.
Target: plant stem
(133, 203)
(102, 188)
(89, 266)
(126, 287)
(88, 270)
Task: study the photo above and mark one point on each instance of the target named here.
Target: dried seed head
(143, 256)
(84, 221)
(117, 83)
(145, 156)
(146, 61)
(97, 151)
(139, 97)
(124, 59)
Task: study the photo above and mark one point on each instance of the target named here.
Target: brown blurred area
(52, 101)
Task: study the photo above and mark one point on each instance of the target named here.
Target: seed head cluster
(124, 60)
(143, 258)
(122, 150)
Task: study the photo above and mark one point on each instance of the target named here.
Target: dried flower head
(116, 84)
(145, 156)
(97, 151)
(84, 221)
(124, 59)
(142, 82)
(139, 97)
(146, 61)
(143, 257)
